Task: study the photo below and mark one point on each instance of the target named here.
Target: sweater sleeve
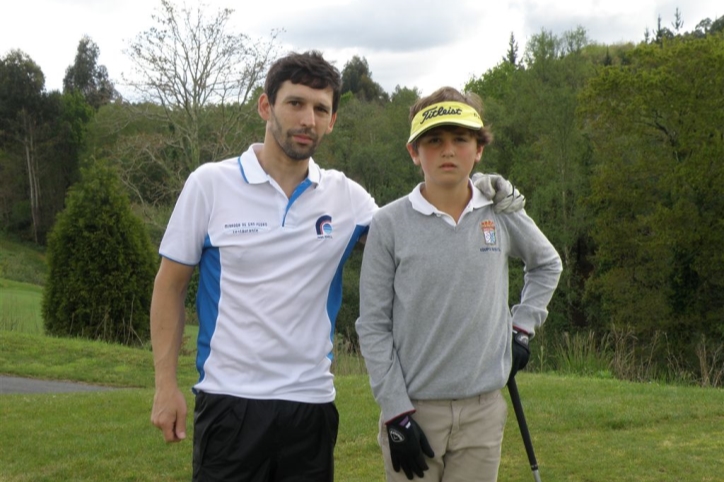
(374, 326)
(543, 269)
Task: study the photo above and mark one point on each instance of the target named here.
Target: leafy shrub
(100, 264)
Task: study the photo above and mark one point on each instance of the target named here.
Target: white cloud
(424, 44)
(387, 26)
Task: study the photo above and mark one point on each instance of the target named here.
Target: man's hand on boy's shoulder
(506, 198)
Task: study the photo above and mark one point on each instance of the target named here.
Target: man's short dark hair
(308, 68)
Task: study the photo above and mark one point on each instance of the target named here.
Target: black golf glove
(521, 352)
(407, 446)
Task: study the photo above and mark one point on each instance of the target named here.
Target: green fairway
(20, 307)
(21, 262)
(583, 429)
(609, 431)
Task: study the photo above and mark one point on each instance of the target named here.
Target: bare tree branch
(191, 66)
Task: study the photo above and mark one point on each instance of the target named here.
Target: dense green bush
(101, 264)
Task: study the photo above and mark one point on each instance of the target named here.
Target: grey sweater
(434, 318)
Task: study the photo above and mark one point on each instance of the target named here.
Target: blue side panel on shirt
(207, 301)
(334, 299)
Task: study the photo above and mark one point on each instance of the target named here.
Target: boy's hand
(521, 352)
(506, 198)
(407, 446)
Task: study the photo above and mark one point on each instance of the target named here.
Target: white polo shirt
(270, 281)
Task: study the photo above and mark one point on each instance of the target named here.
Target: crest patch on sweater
(488, 229)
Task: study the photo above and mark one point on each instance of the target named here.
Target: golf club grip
(518, 407)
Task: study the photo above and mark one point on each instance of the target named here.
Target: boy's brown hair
(449, 94)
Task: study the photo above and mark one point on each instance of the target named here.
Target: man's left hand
(506, 198)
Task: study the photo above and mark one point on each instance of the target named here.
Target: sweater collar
(423, 206)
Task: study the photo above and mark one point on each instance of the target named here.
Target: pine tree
(88, 77)
(101, 265)
(511, 56)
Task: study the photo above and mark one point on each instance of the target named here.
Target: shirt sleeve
(374, 326)
(364, 203)
(543, 269)
(188, 226)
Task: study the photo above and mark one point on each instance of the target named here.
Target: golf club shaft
(520, 415)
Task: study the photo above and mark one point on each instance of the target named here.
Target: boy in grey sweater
(435, 329)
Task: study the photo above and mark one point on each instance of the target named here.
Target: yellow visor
(444, 113)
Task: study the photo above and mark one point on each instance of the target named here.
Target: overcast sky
(423, 43)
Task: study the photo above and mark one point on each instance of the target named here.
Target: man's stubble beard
(286, 144)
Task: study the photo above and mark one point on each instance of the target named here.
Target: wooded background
(618, 149)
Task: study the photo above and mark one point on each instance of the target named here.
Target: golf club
(518, 407)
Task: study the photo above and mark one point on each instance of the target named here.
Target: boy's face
(299, 119)
(447, 155)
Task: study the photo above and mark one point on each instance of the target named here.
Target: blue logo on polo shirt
(324, 226)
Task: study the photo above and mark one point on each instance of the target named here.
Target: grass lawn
(20, 305)
(583, 429)
(21, 262)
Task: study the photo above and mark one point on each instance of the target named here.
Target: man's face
(299, 118)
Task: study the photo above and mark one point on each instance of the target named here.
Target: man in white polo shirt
(270, 231)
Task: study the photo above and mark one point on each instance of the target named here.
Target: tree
(662, 33)
(542, 47)
(538, 146)
(100, 264)
(185, 64)
(511, 56)
(494, 84)
(575, 40)
(87, 77)
(60, 150)
(703, 27)
(656, 126)
(494, 87)
(42, 135)
(678, 22)
(717, 25)
(368, 144)
(357, 79)
(21, 104)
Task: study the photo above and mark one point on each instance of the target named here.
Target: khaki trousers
(465, 434)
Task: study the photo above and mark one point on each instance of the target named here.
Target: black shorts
(246, 440)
